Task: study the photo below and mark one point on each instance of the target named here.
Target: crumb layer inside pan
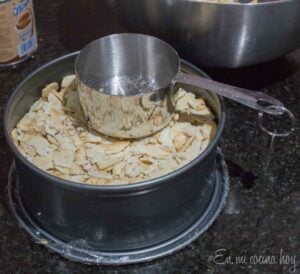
(55, 136)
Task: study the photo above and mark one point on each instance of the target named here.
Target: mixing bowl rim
(237, 4)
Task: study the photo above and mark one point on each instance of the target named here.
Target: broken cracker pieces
(55, 137)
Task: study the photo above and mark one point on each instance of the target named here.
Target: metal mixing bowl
(216, 35)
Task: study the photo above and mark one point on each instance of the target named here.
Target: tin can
(18, 37)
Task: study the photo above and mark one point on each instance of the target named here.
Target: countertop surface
(261, 217)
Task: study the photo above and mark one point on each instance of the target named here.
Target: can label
(18, 37)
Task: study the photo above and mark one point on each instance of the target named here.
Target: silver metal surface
(123, 83)
(254, 99)
(216, 35)
(127, 85)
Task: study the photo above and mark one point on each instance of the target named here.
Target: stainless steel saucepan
(127, 85)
